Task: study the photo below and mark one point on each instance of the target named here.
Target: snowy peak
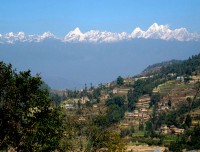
(155, 27)
(21, 37)
(94, 36)
(47, 35)
(155, 31)
(137, 33)
(77, 31)
(75, 35)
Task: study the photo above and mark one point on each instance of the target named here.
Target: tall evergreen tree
(28, 120)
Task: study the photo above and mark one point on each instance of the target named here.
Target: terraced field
(166, 87)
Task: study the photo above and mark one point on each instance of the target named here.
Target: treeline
(156, 67)
(187, 67)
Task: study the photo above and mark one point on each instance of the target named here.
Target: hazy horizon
(71, 65)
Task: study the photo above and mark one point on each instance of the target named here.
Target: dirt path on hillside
(145, 149)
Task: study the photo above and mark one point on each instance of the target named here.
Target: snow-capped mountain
(163, 32)
(75, 35)
(21, 37)
(94, 36)
(155, 31)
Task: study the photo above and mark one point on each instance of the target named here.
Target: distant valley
(72, 65)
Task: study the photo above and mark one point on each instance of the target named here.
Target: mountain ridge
(157, 66)
(155, 31)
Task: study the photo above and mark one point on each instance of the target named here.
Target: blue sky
(61, 16)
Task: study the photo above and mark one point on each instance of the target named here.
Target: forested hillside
(159, 109)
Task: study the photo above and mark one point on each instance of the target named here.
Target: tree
(96, 93)
(116, 109)
(189, 140)
(99, 137)
(169, 103)
(188, 120)
(149, 126)
(155, 98)
(131, 100)
(28, 121)
(125, 132)
(120, 81)
(141, 126)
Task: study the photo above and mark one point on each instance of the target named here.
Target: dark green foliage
(188, 120)
(141, 126)
(142, 87)
(189, 140)
(119, 101)
(56, 98)
(153, 68)
(174, 146)
(101, 121)
(186, 67)
(120, 81)
(169, 103)
(146, 86)
(96, 93)
(28, 120)
(187, 79)
(72, 94)
(115, 113)
(175, 117)
(171, 118)
(88, 104)
(155, 98)
(131, 100)
(125, 132)
(116, 109)
(149, 126)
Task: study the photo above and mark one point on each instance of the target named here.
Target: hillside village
(176, 91)
(168, 93)
(155, 111)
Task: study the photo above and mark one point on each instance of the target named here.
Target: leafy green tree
(118, 100)
(171, 118)
(28, 120)
(131, 100)
(115, 113)
(116, 109)
(120, 81)
(155, 98)
(149, 126)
